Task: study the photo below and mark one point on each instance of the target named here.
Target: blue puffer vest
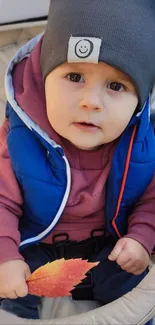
(43, 173)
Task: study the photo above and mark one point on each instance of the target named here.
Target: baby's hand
(130, 255)
(13, 276)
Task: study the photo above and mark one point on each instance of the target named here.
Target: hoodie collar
(25, 90)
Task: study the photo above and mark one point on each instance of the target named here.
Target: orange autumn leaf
(58, 278)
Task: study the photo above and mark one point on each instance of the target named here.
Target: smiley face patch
(84, 49)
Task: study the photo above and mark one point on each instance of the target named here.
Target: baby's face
(89, 104)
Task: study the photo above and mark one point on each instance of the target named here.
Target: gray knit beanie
(120, 33)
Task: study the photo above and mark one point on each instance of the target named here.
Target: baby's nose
(92, 100)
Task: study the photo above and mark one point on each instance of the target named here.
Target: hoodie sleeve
(10, 203)
(141, 223)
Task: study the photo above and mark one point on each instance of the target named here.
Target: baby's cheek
(112, 132)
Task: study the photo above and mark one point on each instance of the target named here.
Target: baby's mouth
(88, 127)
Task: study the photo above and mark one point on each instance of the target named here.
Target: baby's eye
(116, 86)
(75, 77)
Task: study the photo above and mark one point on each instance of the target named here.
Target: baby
(77, 151)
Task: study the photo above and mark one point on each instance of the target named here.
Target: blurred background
(19, 22)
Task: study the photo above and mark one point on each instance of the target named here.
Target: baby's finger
(134, 270)
(12, 295)
(116, 251)
(123, 258)
(2, 295)
(138, 270)
(130, 268)
(22, 291)
(127, 265)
